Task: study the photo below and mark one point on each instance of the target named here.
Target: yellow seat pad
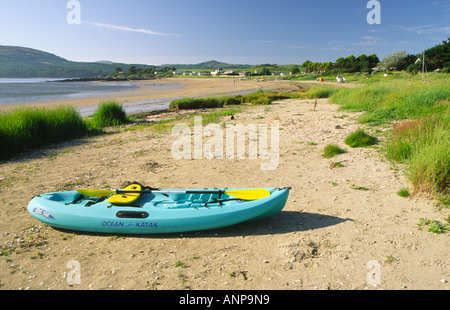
(128, 198)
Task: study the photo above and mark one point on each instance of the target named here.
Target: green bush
(110, 113)
(360, 139)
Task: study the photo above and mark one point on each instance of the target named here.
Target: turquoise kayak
(154, 212)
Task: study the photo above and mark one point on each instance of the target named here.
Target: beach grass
(28, 128)
(260, 97)
(420, 138)
(320, 92)
(110, 113)
(391, 100)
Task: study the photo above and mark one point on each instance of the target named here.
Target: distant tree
(340, 63)
(305, 65)
(373, 60)
(395, 61)
(350, 62)
(132, 70)
(438, 57)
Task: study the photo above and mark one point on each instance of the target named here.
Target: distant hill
(22, 62)
(23, 55)
(207, 65)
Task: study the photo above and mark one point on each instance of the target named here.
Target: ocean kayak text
(123, 224)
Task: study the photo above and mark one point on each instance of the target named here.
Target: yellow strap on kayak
(128, 198)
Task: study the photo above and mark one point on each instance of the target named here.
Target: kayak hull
(153, 213)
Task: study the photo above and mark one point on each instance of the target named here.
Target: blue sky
(244, 31)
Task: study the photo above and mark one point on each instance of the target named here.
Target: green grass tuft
(110, 113)
(404, 192)
(332, 150)
(360, 139)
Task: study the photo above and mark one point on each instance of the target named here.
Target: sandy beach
(329, 236)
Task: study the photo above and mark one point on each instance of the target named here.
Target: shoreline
(146, 99)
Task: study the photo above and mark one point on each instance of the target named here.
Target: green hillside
(207, 65)
(21, 62)
(10, 55)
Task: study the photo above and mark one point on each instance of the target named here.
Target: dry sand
(327, 237)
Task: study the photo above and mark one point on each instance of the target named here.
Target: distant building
(218, 71)
(244, 74)
(229, 72)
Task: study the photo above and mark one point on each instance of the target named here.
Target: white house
(218, 71)
(229, 72)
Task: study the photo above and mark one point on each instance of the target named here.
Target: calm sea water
(16, 91)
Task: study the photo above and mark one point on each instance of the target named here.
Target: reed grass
(27, 128)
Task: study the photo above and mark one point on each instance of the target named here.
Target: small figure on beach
(340, 79)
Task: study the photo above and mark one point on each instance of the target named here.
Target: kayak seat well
(192, 201)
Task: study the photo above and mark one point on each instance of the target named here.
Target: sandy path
(324, 238)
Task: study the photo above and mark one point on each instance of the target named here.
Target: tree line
(436, 58)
